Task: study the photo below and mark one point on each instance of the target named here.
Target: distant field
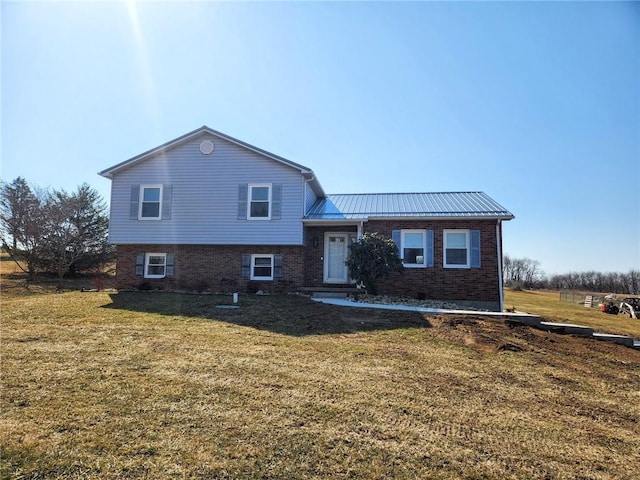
(548, 305)
(158, 385)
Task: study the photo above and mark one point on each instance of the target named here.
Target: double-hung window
(259, 204)
(456, 249)
(413, 247)
(261, 267)
(150, 202)
(155, 265)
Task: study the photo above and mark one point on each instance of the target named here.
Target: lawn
(159, 385)
(548, 305)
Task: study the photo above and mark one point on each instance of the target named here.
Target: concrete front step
(331, 292)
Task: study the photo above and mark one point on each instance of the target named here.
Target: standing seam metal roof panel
(437, 204)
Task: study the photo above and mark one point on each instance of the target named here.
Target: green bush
(371, 258)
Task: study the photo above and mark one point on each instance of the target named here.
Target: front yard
(158, 385)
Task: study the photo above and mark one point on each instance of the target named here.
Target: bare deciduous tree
(22, 220)
(522, 272)
(54, 230)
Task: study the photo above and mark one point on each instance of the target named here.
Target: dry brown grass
(157, 385)
(548, 305)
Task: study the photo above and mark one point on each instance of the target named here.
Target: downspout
(499, 248)
(360, 230)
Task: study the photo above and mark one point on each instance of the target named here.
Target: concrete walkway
(521, 318)
(409, 308)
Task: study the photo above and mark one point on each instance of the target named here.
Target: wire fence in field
(588, 299)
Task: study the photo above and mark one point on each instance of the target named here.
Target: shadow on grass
(284, 314)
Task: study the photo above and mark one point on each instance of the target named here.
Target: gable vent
(206, 147)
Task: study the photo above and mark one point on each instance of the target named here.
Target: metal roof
(424, 205)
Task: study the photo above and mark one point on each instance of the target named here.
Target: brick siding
(216, 268)
(467, 286)
(473, 286)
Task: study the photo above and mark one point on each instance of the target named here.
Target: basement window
(261, 267)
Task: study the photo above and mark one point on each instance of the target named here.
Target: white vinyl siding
(204, 201)
(310, 197)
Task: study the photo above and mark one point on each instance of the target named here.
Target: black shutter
(139, 264)
(243, 191)
(475, 249)
(277, 266)
(396, 236)
(135, 202)
(276, 202)
(170, 267)
(167, 198)
(246, 265)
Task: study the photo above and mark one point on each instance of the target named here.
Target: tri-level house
(206, 211)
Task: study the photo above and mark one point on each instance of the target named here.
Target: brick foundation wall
(216, 268)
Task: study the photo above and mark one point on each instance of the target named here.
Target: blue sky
(536, 104)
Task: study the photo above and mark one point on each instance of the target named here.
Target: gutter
(368, 217)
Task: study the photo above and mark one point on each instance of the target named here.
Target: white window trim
(249, 197)
(424, 248)
(141, 201)
(253, 265)
(468, 247)
(146, 265)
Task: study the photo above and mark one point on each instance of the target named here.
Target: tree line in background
(54, 231)
(526, 273)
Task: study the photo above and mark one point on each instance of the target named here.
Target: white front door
(336, 250)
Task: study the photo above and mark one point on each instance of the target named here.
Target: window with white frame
(155, 265)
(150, 202)
(456, 249)
(259, 204)
(261, 267)
(413, 247)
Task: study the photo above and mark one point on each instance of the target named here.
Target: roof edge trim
(108, 173)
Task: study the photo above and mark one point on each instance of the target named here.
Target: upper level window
(150, 201)
(413, 245)
(259, 205)
(456, 249)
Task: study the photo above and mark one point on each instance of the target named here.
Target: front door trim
(335, 275)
